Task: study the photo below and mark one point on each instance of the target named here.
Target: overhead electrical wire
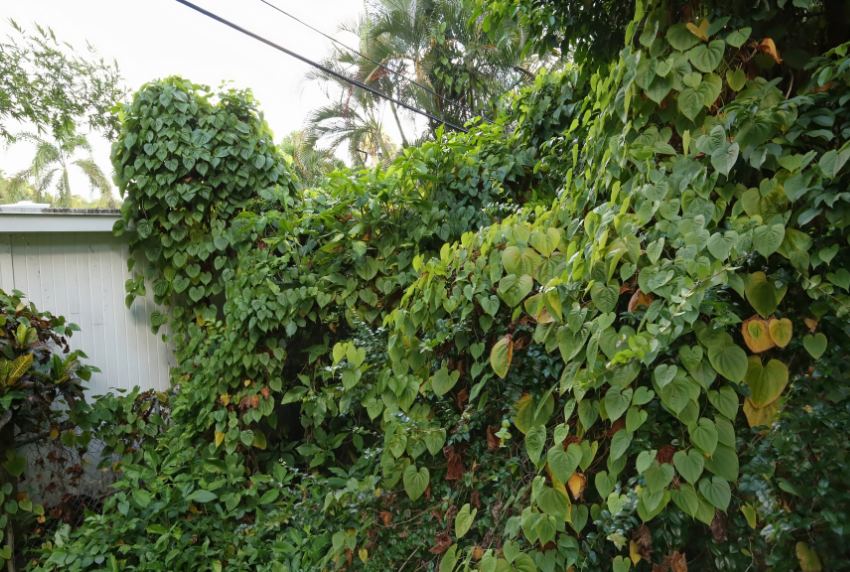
(318, 66)
(377, 63)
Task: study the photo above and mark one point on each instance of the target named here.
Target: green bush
(610, 337)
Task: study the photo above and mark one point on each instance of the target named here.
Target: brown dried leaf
(678, 562)
(462, 397)
(492, 441)
(455, 469)
(642, 540)
(665, 455)
(477, 553)
(475, 499)
(442, 542)
(639, 299)
(387, 517)
(718, 526)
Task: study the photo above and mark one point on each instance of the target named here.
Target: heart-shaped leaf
(758, 417)
(535, 440)
(756, 334)
(730, 361)
(513, 288)
(815, 345)
(716, 491)
(766, 383)
(571, 343)
(564, 463)
(605, 296)
(617, 401)
(725, 158)
(415, 481)
(686, 499)
(604, 484)
(763, 294)
(768, 238)
(736, 79)
(723, 463)
(501, 355)
(689, 464)
(704, 435)
(443, 380)
(464, 520)
(664, 374)
(658, 477)
(725, 400)
(706, 58)
(635, 418)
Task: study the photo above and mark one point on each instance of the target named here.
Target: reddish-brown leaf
(455, 468)
(718, 526)
(678, 562)
(442, 542)
(387, 517)
(475, 499)
(639, 299)
(492, 441)
(665, 455)
(462, 397)
(767, 46)
(643, 540)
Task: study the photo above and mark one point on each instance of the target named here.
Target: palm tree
(433, 43)
(311, 165)
(49, 170)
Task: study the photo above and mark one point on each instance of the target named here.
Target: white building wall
(81, 275)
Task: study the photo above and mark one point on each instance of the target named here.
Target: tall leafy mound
(610, 338)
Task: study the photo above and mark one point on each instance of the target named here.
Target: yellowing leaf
(756, 334)
(700, 32)
(764, 416)
(577, 484)
(634, 553)
(225, 399)
(363, 554)
(767, 46)
(219, 437)
(809, 561)
(501, 355)
(780, 331)
(54, 433)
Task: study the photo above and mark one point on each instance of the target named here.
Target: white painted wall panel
(81, 275)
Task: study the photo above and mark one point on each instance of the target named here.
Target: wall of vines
(609, 338)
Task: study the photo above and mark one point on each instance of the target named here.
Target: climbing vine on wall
(596, 340)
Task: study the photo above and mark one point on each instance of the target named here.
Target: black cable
(318, 66)
(377, 63)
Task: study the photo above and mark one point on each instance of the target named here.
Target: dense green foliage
(609, 338)
(461, 71)
(45, 82)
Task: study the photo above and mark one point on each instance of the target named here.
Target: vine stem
(412, 554)
(821, 290)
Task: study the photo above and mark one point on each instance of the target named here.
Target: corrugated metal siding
(81, 276)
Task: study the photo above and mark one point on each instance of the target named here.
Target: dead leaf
(477, 553)
(678, 562)
(492, 441)
(639, 299)
(665, 455)
(718, 526)
(756, 335)
(812, 324)
(577, 484)
(475, 499)
(616, 426)
(642, 541)
(455, 469)
(442, 542)
(664, 566)
(387, 517)
(462, 397)
(767, 46)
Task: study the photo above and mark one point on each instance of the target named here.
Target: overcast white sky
(157, 38)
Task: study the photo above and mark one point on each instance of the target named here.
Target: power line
(377, 63)
(317, 65)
